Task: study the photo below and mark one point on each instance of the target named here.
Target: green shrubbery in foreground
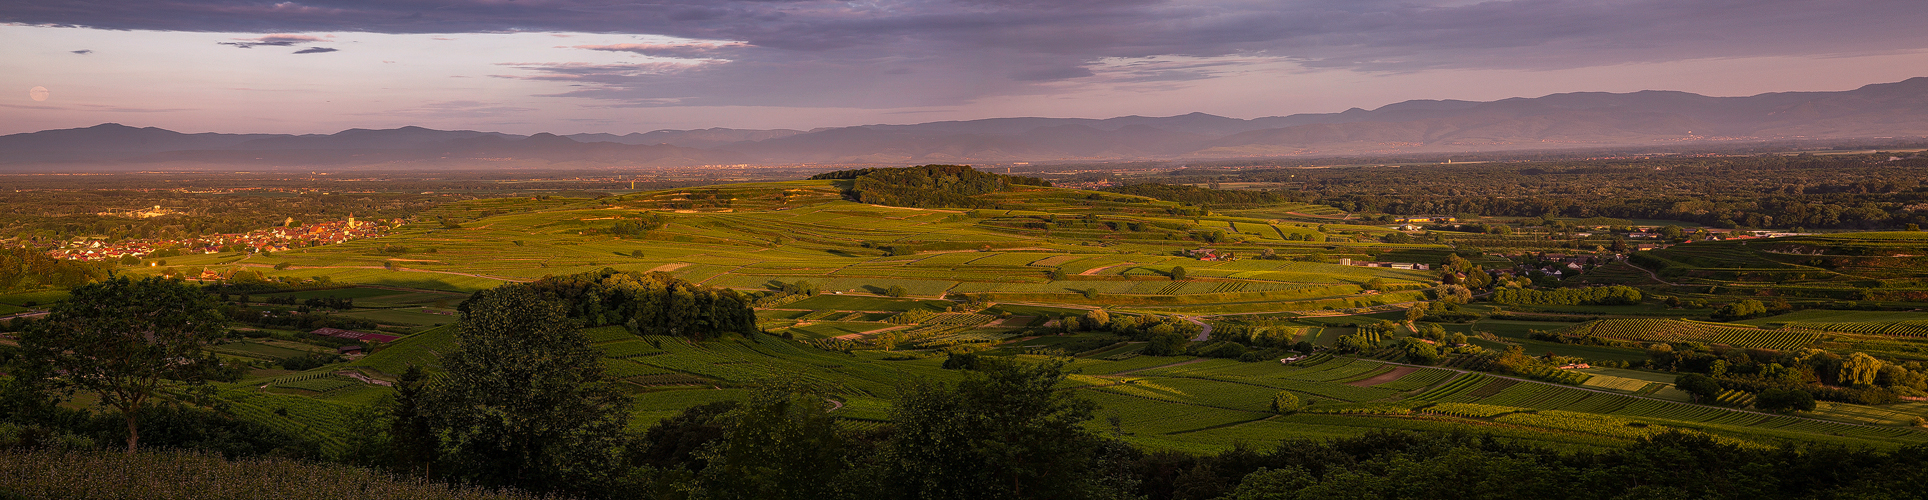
(95, 474)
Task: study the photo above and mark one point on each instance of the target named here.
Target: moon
(38, 93)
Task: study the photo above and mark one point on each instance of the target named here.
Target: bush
(184, 475)
(966, 361)
(1227, 350)
(1703, 387)
(1285, 402)
(1420, 353)
(1779, 399)
(1740, 310)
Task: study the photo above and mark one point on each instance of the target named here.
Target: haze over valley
(963, 249)
(1568, 121)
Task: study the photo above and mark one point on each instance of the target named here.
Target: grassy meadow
(1048, 254)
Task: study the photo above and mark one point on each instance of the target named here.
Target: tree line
(1769, 191)
(28, 268)
(653, 303)
(927, 186)
(1615, 295)
(522, 402)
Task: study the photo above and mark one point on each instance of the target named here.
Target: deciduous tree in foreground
(523, 400)
(132, 343)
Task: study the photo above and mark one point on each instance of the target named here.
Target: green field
(338, 293)
(859, 303)
(43, 297)
(834, 329)
(264, 350)
(1043, 254)
(410, 318)
(861, 251)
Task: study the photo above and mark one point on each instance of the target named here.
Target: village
(289, 234)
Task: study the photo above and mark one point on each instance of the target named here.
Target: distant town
(290, 234)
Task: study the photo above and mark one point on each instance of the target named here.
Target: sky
(620, 66)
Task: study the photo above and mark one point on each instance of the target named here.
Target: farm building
(1210, 254)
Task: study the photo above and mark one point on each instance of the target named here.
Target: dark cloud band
(935, 52)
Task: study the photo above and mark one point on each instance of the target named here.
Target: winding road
(1203, 335)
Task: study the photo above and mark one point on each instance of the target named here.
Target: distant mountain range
(1559, 121)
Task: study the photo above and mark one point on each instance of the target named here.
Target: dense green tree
(1285, 402)
(130, 343)
(26, 393)
(1354, 343)
(1005, 432)
(1419, 352)
(777, 445)
(1097, 319)
(1165, 340)
(1740, 310)
(681, 440)
(927, 186)
(639, 225)
(1416, 311)
(896, 291)
(523, 401)
(23, 268)
(1859, 369)
(1784, 399)
(413, 443)
(1455, 294)
(1703, 387)
(1178, 273)
(1615, 295)
(650, 303)
(1273, 484)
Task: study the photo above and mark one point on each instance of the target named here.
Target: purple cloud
(273, 41)
(941, 52)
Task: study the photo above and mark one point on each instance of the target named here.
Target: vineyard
(854, 345)
(1417, 380)
(1737, 399)
(324, 384)
(1469, 410)
(1916, 328)
(911, 317)
(316, 419)
(1584, 422)
(1553, 374)
(1665, 330)
(1465, 382)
